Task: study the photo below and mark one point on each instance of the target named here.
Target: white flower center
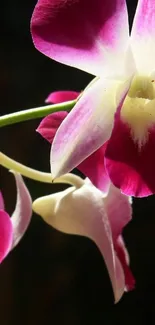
(138, 110)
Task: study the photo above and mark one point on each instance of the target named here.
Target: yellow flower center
(138, 110)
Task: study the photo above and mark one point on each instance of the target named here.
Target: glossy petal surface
(87, 35)
(129, 168)
(61, 96)
(81, 212)
(88, 126)
(143, 36)
(23, 211)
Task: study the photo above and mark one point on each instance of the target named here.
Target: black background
(52, 278)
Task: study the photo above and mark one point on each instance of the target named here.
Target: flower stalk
(34, 113)
(36, 175)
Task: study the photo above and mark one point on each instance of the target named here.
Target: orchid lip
(138, 109)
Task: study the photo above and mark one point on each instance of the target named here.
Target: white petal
(81, 212)
(23, 211)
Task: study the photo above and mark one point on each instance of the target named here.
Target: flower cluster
(107, 131)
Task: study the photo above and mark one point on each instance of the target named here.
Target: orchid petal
(143, 36)
(119, 211)
(61, 96)
(6, 234)
(22, 215)
(1, 202)
(50, 124)
(93, 167)
(83, 34)
(88, 126)
(81, 212)
(129, 167)
(124, 259)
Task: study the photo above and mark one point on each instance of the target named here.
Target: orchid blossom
(86, 211)
(93, 166)
(83, 210)
(12, 229)
(118, 107)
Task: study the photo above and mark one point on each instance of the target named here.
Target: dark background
(52, 278)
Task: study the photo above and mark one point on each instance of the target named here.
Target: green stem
(37, 175)
(34, 113)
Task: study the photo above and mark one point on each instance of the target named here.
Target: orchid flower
(86, 211)
(93, 166)
(12, 229)
(119, 106)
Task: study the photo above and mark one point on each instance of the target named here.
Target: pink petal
(123, 257)
(6, 234)
(61, 96)
(93, 168)
(143, 36)
(88, 126)
(83, 34)
(81, 212)
(22, 215)
(1, 202)
(130, 169)
(50, 124)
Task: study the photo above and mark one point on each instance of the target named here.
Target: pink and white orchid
(86, 211)
(12, 229)
(92, 167)
(94, 36)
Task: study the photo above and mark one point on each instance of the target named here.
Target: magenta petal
(130, 169)
(1, 202)
(61, 96)
(23, 211)
(81, 33)
(49, 125)
(93, 167)
(6, 234)
(124, 259)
